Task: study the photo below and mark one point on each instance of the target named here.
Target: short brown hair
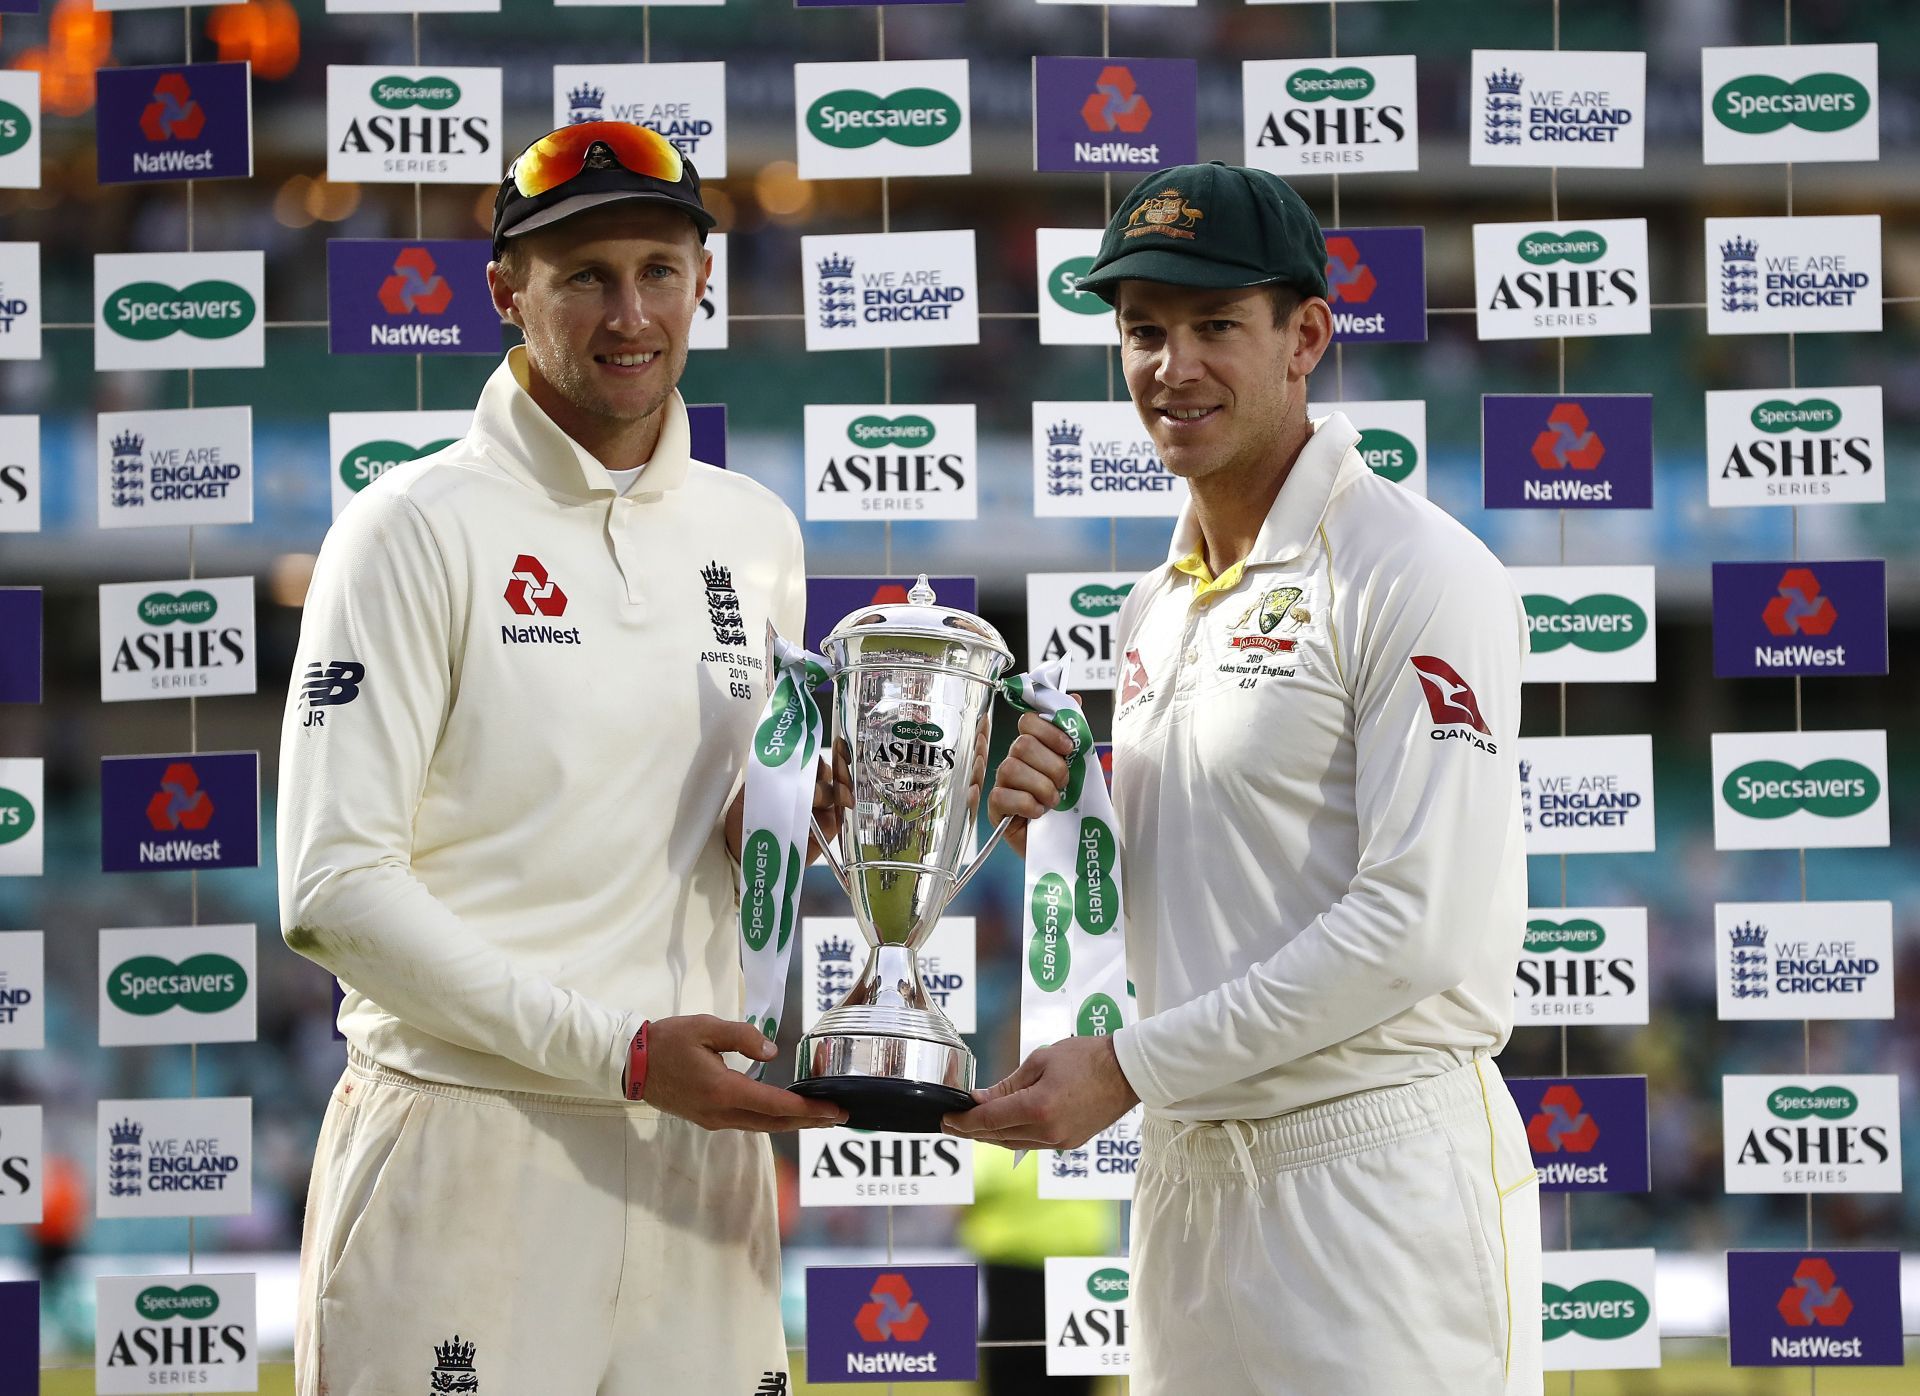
(1285, 300)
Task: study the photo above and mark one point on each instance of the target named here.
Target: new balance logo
(329, 684)
(771, 1384)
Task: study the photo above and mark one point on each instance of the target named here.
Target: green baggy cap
(1216, 226)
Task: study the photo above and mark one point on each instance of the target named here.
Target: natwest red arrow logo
(1815, 1297)
(179, 803)
(1569, 440)
(1449, 700)
(1562, 1124)
(532, 592)
(1350, 281)
(1799, 609)
(415, 285)
(1114, 105)
(172, 113)
(892, 1313)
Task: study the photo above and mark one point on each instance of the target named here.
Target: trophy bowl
(913, 694)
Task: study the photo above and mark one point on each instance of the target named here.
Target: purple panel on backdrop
(1541, 451)
(1814, 1309)
(1773, 618)
(20, 644)
(707, 433)
(180, 813)
(174, 121)
(831, 599)
(410, 296)
(1377, 284)
(1588, 1133)
(892, 1323)
(1129, 114)
(19, 1336)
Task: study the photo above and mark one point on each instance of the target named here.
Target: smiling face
(1220, 386)
(605, 299)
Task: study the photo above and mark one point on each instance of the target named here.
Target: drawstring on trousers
(1243, 1154)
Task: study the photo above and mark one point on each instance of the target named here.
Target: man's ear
(502, 290)
(1315, 321)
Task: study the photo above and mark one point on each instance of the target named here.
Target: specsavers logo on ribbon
(1587, 624)
(1597, 1310)
(21, 832)
(1804, 959)
(396, 126)
(173, 984)
(179, 310)
(1800, 789)
(1069, 315)
(1096, 460)
(1582, 965)
(1801, 103)
(363, 446)
(1811, 1133)
(1789, 446)
(1321, 117)
(19, 130)
(907, 461)
(175, 1332)
(1089, 1315)
(866, 120)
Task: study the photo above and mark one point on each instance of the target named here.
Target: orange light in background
(79, 40)
(263, 32)
(781, 191)
(327, 202)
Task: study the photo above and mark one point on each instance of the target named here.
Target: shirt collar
(507, 416)
(1325, 462)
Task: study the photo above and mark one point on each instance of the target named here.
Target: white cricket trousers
(502, 1244)
(1384, 1244)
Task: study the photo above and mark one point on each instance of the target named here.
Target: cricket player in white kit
(528, 673)
(1314, 779)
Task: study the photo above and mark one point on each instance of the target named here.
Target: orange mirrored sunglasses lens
(554, 159)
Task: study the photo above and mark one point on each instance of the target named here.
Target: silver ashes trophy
(912, 695)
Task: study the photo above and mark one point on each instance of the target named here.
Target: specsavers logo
(1835, 788)
(1063, 284)
(161, 1302)
(16, 128)
(1579, 935)
(16, 816)
(1777, 415)
(877, 433)
(150, 310)
(1388, 454)
(1602, 1309)
(852, 119)
(1761, 103)
(148, 984)
(1603, 624)
(402, 94)
(1579, 247)
(1820, 1102)
(1317, 84)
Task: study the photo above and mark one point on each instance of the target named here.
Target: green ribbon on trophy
(1076, 979)
(778, 816)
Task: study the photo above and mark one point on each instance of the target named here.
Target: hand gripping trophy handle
(913, 689)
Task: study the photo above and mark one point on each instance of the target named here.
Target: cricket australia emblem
(1167, 212)
(1263, 642)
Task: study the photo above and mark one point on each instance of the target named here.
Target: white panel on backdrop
(1793, 275)
(1331, 115)
(1073, 613)
(179, 310)
(1393, 437)
(1800, 789)
(1597, 1311)
(891, 461)
(22, 1181)
(842, 1167)
(19, 130)
(1822, 1132)
(630, 3)
(19, 300)
(1541, 280)
(1587, 794)
(890, 290)
(19, 474)
(363, 446)
(175, 1333)
(175, 1158)
(1580, 965)
(1096, 460)
(1069, 315)
(1089, 1313)
(394, 125)
(1804, 959)
(685, 102)
(709, 329)
(1577, 108)
(178, 466)
(868, 120)
(1587, 624)
(23, 991)
(192, 637)
(401, 7)
(832, 953)
(1795, 446)
(170, 984)
(1790, 102)
(22, 816)
(1102, 1169)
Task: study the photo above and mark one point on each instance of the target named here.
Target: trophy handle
(980, 858)
(826, 853)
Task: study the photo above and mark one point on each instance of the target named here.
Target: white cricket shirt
(1319, 809)
(519, 708)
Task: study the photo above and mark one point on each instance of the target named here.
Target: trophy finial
(922, 593)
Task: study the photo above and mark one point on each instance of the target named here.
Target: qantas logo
(1133, 678)
(1450, 702)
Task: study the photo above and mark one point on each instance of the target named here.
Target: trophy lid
(922, 617)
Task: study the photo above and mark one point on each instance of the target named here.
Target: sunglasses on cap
(561, 155)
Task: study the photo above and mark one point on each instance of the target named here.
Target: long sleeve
(374, 678)
(1435, 801)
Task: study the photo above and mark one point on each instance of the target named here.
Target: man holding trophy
(1325, 877)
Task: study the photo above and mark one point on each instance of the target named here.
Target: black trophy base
(886, 1103)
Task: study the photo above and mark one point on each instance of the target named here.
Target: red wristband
(637, 1065)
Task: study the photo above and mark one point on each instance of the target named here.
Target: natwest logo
(1562, 1124)
(870, 1324)
(1799, 609)
(180, 803)
(1349, 280)
(532, 592)
(1569, 440)
(172, 114)
(415, 285)
(1114, 105)
(892, 1314)
(1815, 1296)
(1114, 113)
